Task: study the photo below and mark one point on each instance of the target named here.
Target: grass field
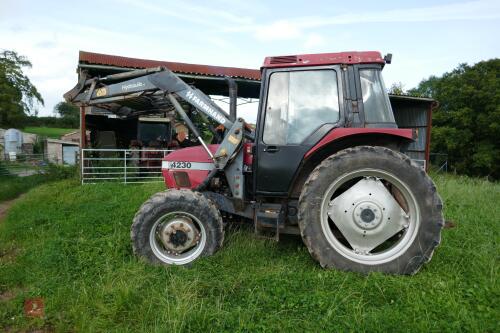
(50, 132)
(70, 245)
(12, 186)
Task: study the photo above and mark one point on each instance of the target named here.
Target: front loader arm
(119, 87)
(163, 84)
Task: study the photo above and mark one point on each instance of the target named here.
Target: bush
(58, 172)
(12, 186)
(466, 126)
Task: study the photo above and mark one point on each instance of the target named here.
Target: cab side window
(298, 103)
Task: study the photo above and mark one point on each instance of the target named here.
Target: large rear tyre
(176, 227)
(368, 209)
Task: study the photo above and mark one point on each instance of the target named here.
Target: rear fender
(337, 134)
(343, 138)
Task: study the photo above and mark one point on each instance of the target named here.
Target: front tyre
(369, 209)
(176, 227)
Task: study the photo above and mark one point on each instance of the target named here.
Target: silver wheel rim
(364, 215)
(171, 257)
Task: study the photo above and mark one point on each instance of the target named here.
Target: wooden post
(83, 139)
(434, 105)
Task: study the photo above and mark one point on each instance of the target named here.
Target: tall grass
(11, 186)
(70, 245)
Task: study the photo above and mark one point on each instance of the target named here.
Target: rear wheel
(176, 227)
(370, 209)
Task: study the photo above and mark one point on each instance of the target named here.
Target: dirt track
(4, 206)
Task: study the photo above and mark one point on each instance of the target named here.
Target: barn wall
(53, 150)
(415, 114)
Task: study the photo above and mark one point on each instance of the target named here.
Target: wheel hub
(178, 234)
(367, 215)
(178, 238)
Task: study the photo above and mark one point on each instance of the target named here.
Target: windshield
(376, 104)
(149, 132)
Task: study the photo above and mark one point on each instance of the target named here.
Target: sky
(425, 37)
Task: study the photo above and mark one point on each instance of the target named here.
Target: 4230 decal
(179, 165)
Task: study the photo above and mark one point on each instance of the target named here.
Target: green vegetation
(68, 113)
(13, 186)
(58, 122)
(18, 96)
(70, 245)
(50, 132)
(466, 125)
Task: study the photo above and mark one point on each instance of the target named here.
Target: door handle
(271, 149)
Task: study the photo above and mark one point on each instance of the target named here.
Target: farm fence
(23, 164)
(127, 166)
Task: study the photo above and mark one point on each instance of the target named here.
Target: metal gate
(122, 165)
(23, 164)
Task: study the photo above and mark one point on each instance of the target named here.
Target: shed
(123, 130)
(416, 113)
(61, 152)
(72, 136)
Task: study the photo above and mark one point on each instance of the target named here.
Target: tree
(18, 96)
(69, 113)
(397, 88)
(466, 125)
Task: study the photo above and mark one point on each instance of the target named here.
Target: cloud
(279, 30)
(203, 15)
(314, 40)
(46, 44)
(219, 42)
(474, 10)
(286, 29)
(200, 32)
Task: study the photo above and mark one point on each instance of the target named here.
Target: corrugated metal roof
(178, 67)
(63, 142)
(411, 97)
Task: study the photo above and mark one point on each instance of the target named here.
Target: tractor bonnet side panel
(187, 167)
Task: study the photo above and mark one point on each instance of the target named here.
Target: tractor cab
(303, 98)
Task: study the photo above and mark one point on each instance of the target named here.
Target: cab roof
(352, 57)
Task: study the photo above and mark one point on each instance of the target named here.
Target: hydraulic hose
(203, 185)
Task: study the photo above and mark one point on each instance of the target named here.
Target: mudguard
(340, 133)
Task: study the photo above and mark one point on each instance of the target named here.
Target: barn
(111, 129)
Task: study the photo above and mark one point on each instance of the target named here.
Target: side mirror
(388, 58)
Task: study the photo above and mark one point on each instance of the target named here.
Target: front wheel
(370, 209)
(176, 227)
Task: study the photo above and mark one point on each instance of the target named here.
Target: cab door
(300, 106)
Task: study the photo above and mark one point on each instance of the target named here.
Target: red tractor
(324, 162)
